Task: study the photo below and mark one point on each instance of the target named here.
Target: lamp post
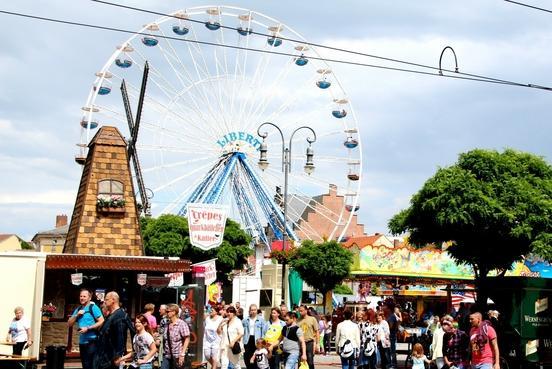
(286, 168)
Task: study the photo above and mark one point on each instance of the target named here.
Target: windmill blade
(133, 130)
(134, 133)
(130, 119)
(141, 186)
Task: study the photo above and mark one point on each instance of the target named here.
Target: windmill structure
(133, 127)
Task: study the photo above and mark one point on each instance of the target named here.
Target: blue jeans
(275, 359)
(291, 360)
(310, 353)
(348, 363)
(482, 366)
(87, 353)
(393, 352)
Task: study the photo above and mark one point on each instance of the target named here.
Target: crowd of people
(366, 340)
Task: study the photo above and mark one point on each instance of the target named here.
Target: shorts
(212, 352)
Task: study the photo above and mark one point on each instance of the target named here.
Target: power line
(120, 30)
(529, 6)
(333, 48)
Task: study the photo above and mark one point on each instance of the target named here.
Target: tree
(26, 245)
(323, 266)
(342, 289)
(168, 235)
(494, 208)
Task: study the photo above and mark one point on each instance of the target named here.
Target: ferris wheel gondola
(203, 105)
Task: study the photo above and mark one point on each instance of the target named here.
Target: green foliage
(165, 236)
(342, 289)
(323, 266)
(168, 235)
(494, 207)
(26, 245)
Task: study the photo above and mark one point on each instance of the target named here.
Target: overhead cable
(340, 61)
(283, 38)
(529, 6)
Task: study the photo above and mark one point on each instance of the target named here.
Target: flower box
(110, 209)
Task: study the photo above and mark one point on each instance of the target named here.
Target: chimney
(333, 190)
(61, 220)
(396, 242)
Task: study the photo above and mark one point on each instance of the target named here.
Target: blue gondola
(350, 143)
(323, 84)
(339, 113)
(213, 26)
(104, 90)
(353, 176)
(85, 124)
(244, 31)
(123, 63)
(274, 41)
(300, 61)
(150, 41)
(181, 31)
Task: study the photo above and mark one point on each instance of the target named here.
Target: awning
(110, 262)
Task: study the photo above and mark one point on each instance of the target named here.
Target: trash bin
(55, 357)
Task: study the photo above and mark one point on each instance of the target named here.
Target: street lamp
(286, 168)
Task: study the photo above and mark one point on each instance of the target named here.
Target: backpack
(347, 350)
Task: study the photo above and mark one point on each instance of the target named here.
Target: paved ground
(333, 361)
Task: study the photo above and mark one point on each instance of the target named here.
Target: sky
(410, 124)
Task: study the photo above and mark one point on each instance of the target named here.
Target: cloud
(45, 198)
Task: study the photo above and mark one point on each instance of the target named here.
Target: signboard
(76, 279)
(206, 223)
(411, 262)
(176, 279)
(210, 271)
(141, 279)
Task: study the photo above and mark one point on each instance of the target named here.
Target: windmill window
(110, 187)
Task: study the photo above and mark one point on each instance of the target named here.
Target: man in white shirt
(347, 339)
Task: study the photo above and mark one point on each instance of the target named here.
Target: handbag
(236, 348)
(304, 365)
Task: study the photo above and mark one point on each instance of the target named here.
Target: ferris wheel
(213, 80)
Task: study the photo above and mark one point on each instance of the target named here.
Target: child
(418, 357)
(261, 354)
(143, 345)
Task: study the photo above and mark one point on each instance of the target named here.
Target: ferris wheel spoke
(291, 99)
(170, 53)
(175, 164)
(255, 81)
(181, 197)
(269, 96)
(182, 177)
(155, 77)
(176, 149)
(209, 78)
(184, 138)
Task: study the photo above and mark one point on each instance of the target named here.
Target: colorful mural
(406, 261)
(431, 263)
(531, 267)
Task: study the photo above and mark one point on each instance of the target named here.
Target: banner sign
(210, 271)
(176, 279)
(76, 279)
(141, 279)
(206, 223)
